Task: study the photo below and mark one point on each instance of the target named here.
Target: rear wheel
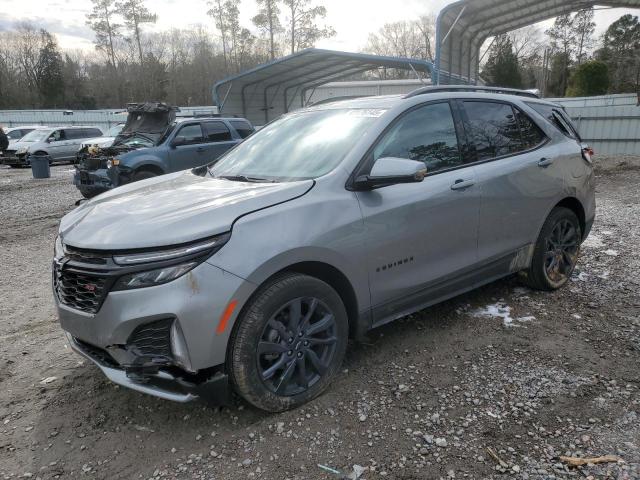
(289, 343)
(556, 251)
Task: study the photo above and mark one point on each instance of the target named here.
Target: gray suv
(59, 144)
(251, 275)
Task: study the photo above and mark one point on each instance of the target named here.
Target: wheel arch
(149, 167)
(573, 204)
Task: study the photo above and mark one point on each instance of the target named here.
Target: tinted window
(493, 129)
(192, 133)
(216, 132)
(92, 132)
(74, 133)
(532, 136)
(427, 134)
(15, 134)
(243, 128)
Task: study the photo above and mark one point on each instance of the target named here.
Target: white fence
(99, 118)
(610, 123)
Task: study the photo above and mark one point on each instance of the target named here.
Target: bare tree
(102, 21)
(304, 30)
(426, 24)
(585, 27)
(135, 14)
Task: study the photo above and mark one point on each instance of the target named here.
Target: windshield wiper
(244, 178)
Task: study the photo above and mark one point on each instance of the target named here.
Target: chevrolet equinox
(250, 275)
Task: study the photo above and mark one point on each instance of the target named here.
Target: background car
(185, 143)
(60, 144)
(14, 134)
(106, 140)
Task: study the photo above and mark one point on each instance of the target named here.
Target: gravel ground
(498, 383)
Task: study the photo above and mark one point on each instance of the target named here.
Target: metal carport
(464, 26)
(269, 90)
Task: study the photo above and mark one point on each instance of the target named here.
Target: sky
(353, 20)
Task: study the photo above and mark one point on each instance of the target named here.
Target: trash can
(40, 166)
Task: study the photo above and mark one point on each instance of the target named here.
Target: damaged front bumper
(160, 340)
(154, 380)
(99, 179)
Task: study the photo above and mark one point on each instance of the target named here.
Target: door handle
(545, 162)
(200, 149)
(461, 184)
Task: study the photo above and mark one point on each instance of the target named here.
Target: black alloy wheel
(297, 346)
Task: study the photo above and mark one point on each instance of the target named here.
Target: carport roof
(463, 26)
(266, 91)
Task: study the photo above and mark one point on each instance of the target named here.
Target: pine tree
(101, 20)
(268, 22)
(501, 68)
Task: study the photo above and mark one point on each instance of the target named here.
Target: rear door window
(216, 132)
(532, 136)
(74, 133)
(427, 134)
(493, 129)
(244, 129)
(92, 132)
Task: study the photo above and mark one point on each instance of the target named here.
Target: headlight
(21, 150)
(58, 249)
(112, 162)
(153, 277)
(211, 245)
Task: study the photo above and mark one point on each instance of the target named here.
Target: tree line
(567, 60)
(132, 63)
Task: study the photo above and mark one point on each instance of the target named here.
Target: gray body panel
(400, 247)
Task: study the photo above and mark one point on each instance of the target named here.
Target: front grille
(86, 257)
(10, 153)
(82, 291)
(94, 163)
(152, 339)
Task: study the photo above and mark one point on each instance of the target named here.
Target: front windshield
(36, 136)
(297, 146)
(114, 131)
(137, 140)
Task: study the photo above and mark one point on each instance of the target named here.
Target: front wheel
(288, 343)
(556, 251)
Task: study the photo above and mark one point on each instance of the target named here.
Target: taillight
(587, 154)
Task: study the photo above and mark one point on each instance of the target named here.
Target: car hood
(169, 210)
(18, 145)
(99, 141)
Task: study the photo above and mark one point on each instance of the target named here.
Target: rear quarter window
(244, 129)
(556, 117)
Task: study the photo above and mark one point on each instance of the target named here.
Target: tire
(143, 175)
(274, 380)
(556, 251)
(89, 192)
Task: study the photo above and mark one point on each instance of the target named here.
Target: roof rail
(470, 88)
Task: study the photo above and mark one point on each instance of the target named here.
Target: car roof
(229, 119)
(390, 101)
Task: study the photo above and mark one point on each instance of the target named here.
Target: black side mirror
(388, 171)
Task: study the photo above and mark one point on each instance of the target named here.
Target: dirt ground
(498, 383)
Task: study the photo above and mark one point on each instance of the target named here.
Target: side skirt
(457, 284)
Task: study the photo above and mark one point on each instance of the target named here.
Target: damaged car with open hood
(251, 274)
(154, 142)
